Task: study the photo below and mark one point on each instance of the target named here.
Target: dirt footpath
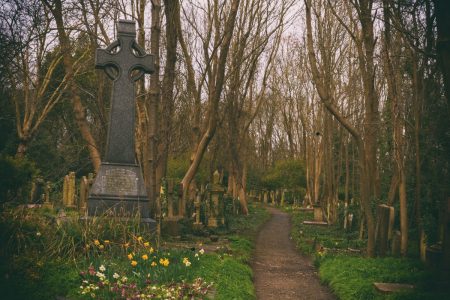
(280, 272)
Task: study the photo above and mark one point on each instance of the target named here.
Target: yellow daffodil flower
(134, 263)
(144, 257)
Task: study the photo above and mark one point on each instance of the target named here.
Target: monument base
(118, 190)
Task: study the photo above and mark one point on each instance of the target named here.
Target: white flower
(188, 263)
(38, 233)
(102, 268)
(196, 254)
(202, 251)
(124, 279)
(115, 276)
(100, 275)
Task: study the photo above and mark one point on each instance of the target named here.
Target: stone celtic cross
(124, 61)
(119, 188)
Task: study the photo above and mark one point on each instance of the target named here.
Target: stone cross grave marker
(118, 187)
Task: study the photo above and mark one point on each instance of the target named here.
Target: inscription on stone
(120, 182)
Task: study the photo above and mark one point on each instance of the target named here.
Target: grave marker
(119, 185)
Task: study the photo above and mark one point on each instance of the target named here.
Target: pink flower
(91, 270)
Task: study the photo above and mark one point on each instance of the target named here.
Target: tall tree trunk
(77, 105)
(214, 97)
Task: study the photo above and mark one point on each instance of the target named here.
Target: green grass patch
(351, 275)
(42, 257)
(310, 237)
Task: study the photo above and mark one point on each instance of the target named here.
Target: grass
(41, 258)
(351, 275)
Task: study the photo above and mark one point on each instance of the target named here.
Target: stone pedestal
(118, 190)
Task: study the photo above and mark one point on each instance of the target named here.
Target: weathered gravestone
(215, 211)
(118, 188)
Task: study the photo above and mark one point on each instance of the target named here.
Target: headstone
(265, 197)
(318, 216)
(47, 203)
(69, 180)
(318, 213)
(395, 245)
(383, 228)
(85, 185)
(119, 186)
(215, 216)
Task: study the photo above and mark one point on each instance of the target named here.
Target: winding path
(280, 272)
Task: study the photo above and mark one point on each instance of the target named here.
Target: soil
(280, 272)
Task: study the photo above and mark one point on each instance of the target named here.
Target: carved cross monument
(119, 188)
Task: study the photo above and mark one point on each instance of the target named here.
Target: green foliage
(310, 238)
(232, 279)
(15, 177)
(30, 277)
(350, 275)
(177, 168)
(353, 277)
(285, 174)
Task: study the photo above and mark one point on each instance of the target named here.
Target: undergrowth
(342, 264)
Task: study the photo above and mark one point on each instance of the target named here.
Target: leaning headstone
(383, 232)
(119, 186)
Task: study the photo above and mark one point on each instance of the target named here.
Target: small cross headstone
(118, 187)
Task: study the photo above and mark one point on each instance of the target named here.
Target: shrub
(15, 177)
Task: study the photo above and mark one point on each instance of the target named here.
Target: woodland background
(345, 101)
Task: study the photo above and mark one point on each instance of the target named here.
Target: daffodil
(144, 257)
(130, 256)
(115, 276)
(101, 247)
(134, 263)
(164, 262)
(106, 242)
(96, 242)
(139, 238)
(151, 250)
(153, 264)
(201, 251)
(146, 244)
(102, 268)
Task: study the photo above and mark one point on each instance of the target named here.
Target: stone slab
(305, 209)
(314, 223)
(392, 287)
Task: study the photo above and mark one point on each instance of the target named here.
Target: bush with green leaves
(16, 175)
